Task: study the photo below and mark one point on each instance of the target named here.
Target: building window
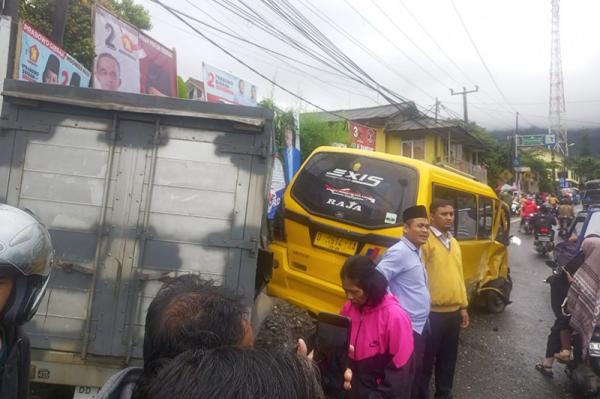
(414, 148)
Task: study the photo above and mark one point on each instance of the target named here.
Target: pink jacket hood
(379, 330)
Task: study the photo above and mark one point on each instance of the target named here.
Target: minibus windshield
(357, 189)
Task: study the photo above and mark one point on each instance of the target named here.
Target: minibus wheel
(494, 302)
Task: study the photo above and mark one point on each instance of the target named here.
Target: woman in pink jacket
(381, 333)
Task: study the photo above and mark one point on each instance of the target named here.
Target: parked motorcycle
(585, 374)
(544, 240)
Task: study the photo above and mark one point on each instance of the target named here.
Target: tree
(496, 156)
(541, 168)
(78, 39)
(587, 167)
(181, 89)
(281, 120)
(315, 132)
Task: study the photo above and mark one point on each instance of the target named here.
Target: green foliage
(543, 169)
(587, 167)
(78, 39)
(281, 120)
(496, 156)
(315, 132)
(181, 89)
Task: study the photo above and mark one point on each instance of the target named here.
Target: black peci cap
(417, 211)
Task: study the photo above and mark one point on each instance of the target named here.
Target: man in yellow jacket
(443, 260)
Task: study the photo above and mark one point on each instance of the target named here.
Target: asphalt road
(498, 351)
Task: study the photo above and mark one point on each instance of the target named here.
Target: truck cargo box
(134, 189)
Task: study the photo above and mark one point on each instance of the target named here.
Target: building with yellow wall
(403, 130)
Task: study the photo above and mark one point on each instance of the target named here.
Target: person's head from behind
(363, 284)
(290, 137)
(191, 313)
(545, 210)
(416, 224)
(442, 214)
(51, 71)
(591, 250)
(25, 261)
(236, 373)
(107, 72)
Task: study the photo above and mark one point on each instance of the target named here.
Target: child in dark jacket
(381, 333)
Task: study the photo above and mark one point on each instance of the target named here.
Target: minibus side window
(465, 211)
(504, 227)
(486, 217)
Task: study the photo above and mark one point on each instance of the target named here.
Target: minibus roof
(443, 176)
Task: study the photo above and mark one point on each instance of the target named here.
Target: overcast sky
(513, 37)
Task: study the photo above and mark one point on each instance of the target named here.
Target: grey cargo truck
(134, 189)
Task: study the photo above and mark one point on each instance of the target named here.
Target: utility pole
(58, 21)
(518, 183)
(464, 94)
(437, 108)
(11, 8)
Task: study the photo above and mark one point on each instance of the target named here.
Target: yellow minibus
(345, 202)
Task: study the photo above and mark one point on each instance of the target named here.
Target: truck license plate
(342, 245)
(82, 392)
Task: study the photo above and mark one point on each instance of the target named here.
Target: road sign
(522, 169)
(549, 139)
(531, 141)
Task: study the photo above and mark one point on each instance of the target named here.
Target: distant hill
(575, 136)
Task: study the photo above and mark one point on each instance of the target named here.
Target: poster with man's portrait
(223, 87)
(41, 60)
(129, 60)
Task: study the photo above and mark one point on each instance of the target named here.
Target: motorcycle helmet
(26, 255)
(545, 209)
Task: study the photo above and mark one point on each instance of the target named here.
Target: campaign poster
(277, 188)
(363, 137)
(41, 60)
(129, 60)
(285, 165)
(290, 153)
(223, 87)
(158, 68)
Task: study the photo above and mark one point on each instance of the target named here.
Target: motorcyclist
(529, 207)
(25, 263)
(565, 212)
(543, 219)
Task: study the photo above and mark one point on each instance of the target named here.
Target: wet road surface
(498, 351)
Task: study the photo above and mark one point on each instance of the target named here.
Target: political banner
(285, 165)
(223, 87)
(277, 188)
(130, 61)
(41, 60)
(363, 137)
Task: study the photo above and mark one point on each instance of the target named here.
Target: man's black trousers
(441, 349)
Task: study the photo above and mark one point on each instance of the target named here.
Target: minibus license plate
(342, 245)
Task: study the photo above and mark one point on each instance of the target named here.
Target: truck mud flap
(264, 270)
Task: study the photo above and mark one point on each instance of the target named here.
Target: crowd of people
(407, 310)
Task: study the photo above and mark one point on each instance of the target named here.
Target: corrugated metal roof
(358, 114)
